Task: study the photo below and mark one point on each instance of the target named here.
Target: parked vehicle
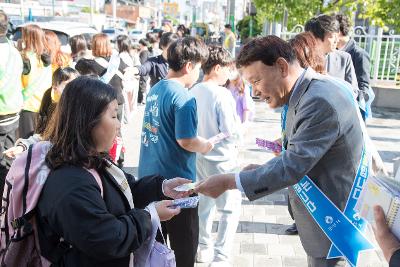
(112, 33)
(63, 29)
(136, 35)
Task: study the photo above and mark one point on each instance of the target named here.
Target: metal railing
(383, 50)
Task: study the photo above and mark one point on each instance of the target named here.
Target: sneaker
(204, 255)
(220, 264)
(292, 230)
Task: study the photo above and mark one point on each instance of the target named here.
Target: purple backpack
(153, 253)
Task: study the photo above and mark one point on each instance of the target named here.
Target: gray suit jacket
(340, 65)
(324, 141)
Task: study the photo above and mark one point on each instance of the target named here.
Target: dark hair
(159, 34)
(167, 39)
(78, 44)
(266, 49)
(74, 120)
(47, 106)
(124, 43)
(228, 26)
(181, 27)
(86, 66)
(152, 38)
(321, 25)
(188, 49)
(217, 56)
(344, 24)
(144, 42)
(304, 45)
(3, 22)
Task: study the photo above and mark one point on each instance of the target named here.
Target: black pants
(142, 88)
(27, 123)
(183, 233)
(7, 140)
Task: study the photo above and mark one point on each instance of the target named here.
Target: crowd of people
(91, 213)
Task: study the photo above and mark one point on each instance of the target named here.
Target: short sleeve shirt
(170, 114)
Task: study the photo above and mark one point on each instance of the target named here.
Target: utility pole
(22, 10)
(91, 12)
(114, 8)
(231, 14)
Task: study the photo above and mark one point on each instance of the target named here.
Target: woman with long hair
(130, 83)
(36, 76)
(110, 69)
(59, 59)
(88, 204)
(79, 48)
(49, 102)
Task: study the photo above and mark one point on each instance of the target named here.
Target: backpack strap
(97, 178)
(26, 182)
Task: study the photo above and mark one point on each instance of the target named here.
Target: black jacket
(99, 70)
(395, 259)
(361, 63)
(156, 67)
(102, 231)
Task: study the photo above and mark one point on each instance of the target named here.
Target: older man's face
(267, 82)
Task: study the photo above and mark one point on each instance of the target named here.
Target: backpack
(19, 241)
(153, 253)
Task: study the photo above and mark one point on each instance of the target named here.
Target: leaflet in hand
(270, 146)
(218, 138)
(384, 192)
(186, 203)
(185, 187)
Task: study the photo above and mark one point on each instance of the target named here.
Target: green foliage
(172, 19)
(86, 9)
(379, 12)
(243, 27)
(383, 13)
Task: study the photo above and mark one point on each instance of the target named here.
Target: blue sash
(342, 229)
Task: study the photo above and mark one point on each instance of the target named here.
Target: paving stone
(264, 218)
(243, 260)
(284, 220)
(294, 261)
(299, 251)
(280, 250)
(276, 210)
(278, 229)
(253, 227)
(243, 238)
(290, 239)
(266, 238)
(255, 248)
(273, 261)
(251, 210)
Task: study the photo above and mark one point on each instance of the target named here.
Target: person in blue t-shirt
(169, 140)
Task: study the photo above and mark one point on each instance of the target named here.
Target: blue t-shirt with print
(170, 114)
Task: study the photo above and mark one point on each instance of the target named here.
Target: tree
(298, 11)
(243, 27)
(379, 12)
(383, 13)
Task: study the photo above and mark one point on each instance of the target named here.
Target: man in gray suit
(325, 29)
(323, 138)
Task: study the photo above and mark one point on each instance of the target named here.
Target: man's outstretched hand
(215, 185)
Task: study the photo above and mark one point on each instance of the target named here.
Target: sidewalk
(260, 239)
